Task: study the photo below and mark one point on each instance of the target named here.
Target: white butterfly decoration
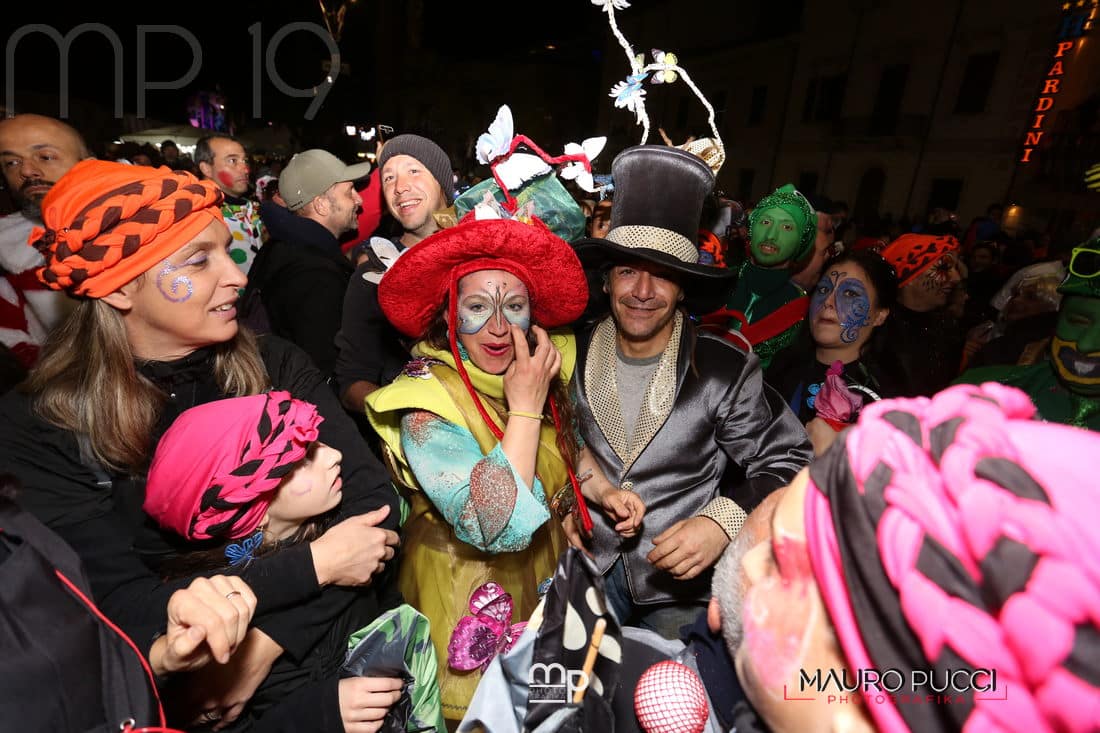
(664, 76)
(519, 167)
(494, 143)
(606, 5)
(629, 93)
(590, 148)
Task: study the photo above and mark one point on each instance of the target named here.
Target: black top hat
(659, 193)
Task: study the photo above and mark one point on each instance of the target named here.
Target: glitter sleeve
(481, 496)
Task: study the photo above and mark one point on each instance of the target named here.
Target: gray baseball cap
(311, 172)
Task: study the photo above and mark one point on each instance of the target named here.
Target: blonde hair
(86, 382)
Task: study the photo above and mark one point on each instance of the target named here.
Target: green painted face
(1075, 347)
(774, 238)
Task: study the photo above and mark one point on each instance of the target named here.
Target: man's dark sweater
(370, 349)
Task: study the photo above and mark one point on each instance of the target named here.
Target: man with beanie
(921, 349)
(301, 274)
(417, 181)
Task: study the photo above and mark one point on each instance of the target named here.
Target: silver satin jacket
(727, 433)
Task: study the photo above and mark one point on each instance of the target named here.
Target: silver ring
(211, 716)
(231, 594)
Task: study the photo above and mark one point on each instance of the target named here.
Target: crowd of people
(313, 447)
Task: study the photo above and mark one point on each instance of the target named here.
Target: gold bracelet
(532, 415)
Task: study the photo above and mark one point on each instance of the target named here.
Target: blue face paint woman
(850, 301)
(843, 313)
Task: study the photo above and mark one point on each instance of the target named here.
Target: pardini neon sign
(1075, 24)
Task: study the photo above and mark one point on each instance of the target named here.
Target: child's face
(312, 488)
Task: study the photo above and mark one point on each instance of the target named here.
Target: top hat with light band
(659, 194)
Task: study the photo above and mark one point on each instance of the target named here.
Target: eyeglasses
(1085, 262)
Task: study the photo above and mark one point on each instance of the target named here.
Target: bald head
(728, 585)
(34, 152)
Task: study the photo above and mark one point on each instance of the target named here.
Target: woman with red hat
(155, 332)
(479, 427)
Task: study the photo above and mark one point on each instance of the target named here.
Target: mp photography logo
(555, 684)
(897, 686)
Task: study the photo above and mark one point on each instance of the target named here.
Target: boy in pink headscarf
(938, 569)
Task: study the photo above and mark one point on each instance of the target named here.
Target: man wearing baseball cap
(301, 274)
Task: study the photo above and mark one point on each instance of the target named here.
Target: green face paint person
(781, 228)
(1075, 348)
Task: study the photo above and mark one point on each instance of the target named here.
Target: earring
(463, 354)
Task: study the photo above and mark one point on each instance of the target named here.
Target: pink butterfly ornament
(486, 632)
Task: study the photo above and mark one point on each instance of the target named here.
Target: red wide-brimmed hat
(414, 288)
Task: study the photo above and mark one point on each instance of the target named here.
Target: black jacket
(370, 349)
(921, 352)
(725, 434)
(301, 275)
(99, 513)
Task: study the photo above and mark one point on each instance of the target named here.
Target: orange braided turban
(107, 223)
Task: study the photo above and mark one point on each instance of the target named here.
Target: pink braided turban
(216, 469)
(959, 533)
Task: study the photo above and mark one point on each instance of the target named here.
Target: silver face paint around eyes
(478, 309)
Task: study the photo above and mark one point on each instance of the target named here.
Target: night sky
(488, 29)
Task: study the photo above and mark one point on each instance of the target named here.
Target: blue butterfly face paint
(850, 300)
(492, 296)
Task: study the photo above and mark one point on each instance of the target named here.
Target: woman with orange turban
(155, 332)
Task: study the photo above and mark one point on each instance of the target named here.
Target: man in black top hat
(679, 416)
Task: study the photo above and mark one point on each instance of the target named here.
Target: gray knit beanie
(428, 153)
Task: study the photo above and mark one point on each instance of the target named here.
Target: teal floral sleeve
(481, 496)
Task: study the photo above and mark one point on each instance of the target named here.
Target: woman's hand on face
(527, 380)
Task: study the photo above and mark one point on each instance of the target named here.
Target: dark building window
(807, 183)
(977, 80)
(945, 193)
(757, 104)
(891, 90)
(744, 185)
(824, 98)
(869, 195)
